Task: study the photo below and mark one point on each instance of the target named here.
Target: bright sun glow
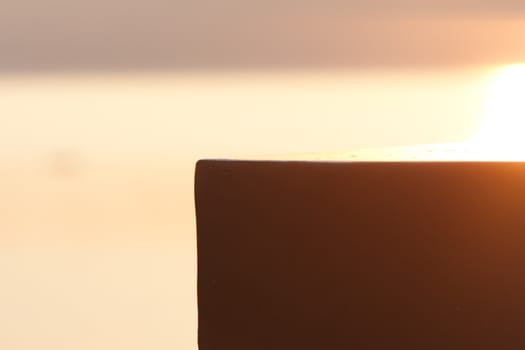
(502, 132)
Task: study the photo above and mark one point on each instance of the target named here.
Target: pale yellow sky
(97, 225)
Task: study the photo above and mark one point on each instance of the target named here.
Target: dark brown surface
(305, 255)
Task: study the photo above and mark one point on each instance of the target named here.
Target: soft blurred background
(106, 105)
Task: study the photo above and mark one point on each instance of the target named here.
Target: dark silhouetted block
(365, 255)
